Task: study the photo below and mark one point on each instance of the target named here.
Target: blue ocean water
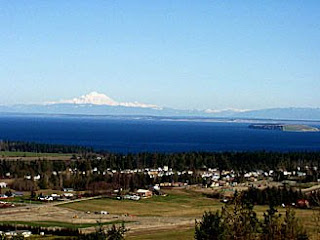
(138, 135)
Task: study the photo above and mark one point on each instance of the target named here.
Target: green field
(177, 234)
(176, 204)
(31, 154)
(21, 200)
(58, 224)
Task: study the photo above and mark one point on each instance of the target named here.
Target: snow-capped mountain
(96, 98)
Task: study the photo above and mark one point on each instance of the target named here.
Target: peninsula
(285, 127)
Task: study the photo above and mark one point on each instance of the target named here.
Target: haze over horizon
(101, 99)
(190, 55)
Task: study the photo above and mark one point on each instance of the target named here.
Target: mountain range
(99, 104)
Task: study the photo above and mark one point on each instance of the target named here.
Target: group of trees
(36, 230)
(239, 221)
(112, 233)
(238, 161)
(277, 196)
(274, 196)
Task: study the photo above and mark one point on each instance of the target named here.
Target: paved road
(76, 200)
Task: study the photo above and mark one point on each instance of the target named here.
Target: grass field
(176, 204)
(58, 224)
(178, 234)
(21, 200)
(31, 154)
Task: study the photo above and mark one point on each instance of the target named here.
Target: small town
(298, 188)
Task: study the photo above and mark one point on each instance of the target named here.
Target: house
(45, 198)
(156, 190)
(3, 196)
(68, 189)
(178, 184)
(6, 205)
(68, 195)
(3, 185)
(55, 196)
(36, 178)
(135, 198)
(303, 203)
(144, 193)
(18, 194)
(165, 184)
(130, 197)
(24, 233)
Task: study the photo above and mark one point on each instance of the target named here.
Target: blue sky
(182, 54)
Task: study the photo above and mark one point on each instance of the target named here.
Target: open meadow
(173, 216)
(178, 203)
(159, 217)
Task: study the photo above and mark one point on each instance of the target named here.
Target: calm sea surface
(137, 135)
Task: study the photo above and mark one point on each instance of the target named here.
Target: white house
(144, 192)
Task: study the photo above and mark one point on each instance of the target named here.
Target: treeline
(278, 196)
(273, 196)
(4, 227)
(238, 161)
(100, 233)
(18, 146)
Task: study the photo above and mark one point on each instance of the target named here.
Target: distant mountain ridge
(96, 103)
(91, 109)
(283, 113)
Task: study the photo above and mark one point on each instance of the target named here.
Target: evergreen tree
(210, 227)
(290, 228)
(239, 222)
(116, 233)
(271, 226)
